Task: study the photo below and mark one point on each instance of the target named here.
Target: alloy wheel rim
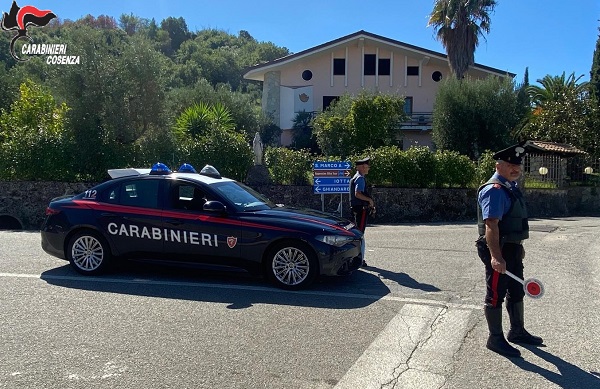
(87, 253)
(290, 266)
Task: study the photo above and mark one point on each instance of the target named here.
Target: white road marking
(246, 287)
(415, 350)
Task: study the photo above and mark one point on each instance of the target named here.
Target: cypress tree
(595, 73)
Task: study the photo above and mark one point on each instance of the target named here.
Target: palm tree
(458, 25)
(556, 88)
(202, 119)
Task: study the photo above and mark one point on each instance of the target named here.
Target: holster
(483, 250)
(357, 208)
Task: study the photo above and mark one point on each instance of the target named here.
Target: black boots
(518, 333)
(496, 341)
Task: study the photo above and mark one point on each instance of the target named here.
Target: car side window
(187, 197)
(137, 193)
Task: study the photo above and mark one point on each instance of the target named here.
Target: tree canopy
(458, 25)
(471, 116)
(355, 123)
(135, 79)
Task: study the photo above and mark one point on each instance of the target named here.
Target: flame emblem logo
(231, 241)
(19, 19)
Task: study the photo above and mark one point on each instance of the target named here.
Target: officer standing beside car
(503, 226)
(361, 202)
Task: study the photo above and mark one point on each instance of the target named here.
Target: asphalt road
(412, 319)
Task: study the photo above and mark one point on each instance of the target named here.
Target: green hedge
(288, 167)
(416, 167)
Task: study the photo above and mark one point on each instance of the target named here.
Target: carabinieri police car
(191, 217)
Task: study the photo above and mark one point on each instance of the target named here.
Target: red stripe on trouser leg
(363, 221)
(495, 279)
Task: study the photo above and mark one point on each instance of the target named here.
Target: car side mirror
(214, 206)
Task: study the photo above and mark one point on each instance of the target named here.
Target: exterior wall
(25, 202)
(416, 138)
(286, 107)
(294, 100)
(421, 88)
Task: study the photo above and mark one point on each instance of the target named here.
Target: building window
(307, 75)
(384, 66)
(437, 76)
(412, 70)
(408, 105)
(339, 66)
(370, 62)
(327, 100)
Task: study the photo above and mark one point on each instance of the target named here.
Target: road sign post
(331, 177)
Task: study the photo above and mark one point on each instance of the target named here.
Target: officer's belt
(514, 241)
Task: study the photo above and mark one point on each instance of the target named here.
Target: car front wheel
(88, 253)
(292, 265)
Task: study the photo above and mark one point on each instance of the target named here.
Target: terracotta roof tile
(562, 148)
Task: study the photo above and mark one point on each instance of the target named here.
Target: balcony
(422, 121)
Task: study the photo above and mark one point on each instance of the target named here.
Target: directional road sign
(343, 165)
(331, 177)
(331, 189)
(331, 173)
(331, 181)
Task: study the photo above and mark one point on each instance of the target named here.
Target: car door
(194, 234)
(131, 217)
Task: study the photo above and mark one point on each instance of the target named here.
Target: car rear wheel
(88, 253)
(292, 265)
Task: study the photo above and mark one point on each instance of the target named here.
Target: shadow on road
(570, 376)
(403, 279)
(236, 288)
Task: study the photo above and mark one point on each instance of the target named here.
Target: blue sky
(548, 36)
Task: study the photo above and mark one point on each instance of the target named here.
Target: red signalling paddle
(532, 287)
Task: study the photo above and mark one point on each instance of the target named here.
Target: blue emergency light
(187, 168)
(159, 168)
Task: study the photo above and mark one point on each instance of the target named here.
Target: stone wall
(23, 203)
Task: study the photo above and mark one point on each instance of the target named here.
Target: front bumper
(339, 261)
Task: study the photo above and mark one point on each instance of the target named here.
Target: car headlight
(335, 240)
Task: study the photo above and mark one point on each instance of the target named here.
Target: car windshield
(242, 197)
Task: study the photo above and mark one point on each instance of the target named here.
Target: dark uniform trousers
(500, 285)
(360, 216)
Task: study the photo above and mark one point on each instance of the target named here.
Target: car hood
(307, 219)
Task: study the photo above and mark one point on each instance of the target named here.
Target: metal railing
(555, 171)
(419, 119)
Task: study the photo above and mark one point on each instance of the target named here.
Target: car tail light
(50, 211)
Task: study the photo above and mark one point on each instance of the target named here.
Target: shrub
(417, 167)
(227, 151)
(35, 143)
(486, 166)
(454, 169)
(422, 165)
(288, 167)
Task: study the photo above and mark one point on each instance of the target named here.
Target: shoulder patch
(497, 186)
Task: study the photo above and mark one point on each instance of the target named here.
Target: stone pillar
(271, 96)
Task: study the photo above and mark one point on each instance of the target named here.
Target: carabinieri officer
(503, 226)
(361, 202)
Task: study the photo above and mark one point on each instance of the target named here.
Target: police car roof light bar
(186, 168)
(160, 168)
